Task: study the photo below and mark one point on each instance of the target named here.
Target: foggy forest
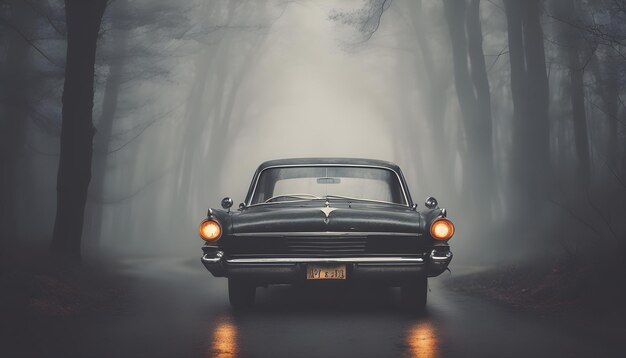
(122, 121)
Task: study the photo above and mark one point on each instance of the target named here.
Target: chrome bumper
(290, 260)
(293, 269)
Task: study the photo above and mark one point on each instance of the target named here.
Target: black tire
(241, 294)
(413, 295)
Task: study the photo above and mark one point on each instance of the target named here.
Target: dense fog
(191, 96)
(123, 121)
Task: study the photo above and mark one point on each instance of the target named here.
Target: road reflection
(421, 339)
(224, 340)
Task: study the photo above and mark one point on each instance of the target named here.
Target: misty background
(510, 113)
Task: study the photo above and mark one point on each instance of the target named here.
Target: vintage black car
(309, 219)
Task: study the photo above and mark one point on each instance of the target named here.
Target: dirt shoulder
(573, 293)
(39, 285)
(46, 304)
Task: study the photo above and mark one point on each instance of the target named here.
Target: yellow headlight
(442, 229)
(210, 230)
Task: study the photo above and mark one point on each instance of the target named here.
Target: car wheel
(241, 294)
(413, 295)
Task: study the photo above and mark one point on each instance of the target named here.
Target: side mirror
(431, 202)
(227, 203)
(242, 206)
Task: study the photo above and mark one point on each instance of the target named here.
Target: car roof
(329, 160)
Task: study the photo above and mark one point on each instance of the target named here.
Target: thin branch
(366, 20)
(596, 106)
(594, 48)
(29, 41)
(496, 5)
(145, 128)
(620, 180)
(606, 221)
(591, 30)
(379, 15)
(45, 16)
(504, 51)
(575, 216)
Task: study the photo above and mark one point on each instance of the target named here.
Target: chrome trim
(327, 210)
(256, 181)
(337, 197)
(284, 202)
(327, 260)
(447, 256)
(431, 202)
(226, 203)
(324, 234)
(213, 260)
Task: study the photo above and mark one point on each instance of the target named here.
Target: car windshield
(279, 184)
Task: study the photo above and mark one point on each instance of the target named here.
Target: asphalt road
(177, 309)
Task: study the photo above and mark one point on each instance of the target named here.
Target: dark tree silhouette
(571, 41)
(530, 158)
(104, 128)
(83, 25)
(438, 82)
(472, 88)
(15, 101)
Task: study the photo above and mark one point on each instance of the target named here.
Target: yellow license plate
(326, 272)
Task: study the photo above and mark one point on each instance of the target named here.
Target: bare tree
(472, 88)
(571, 43)
(530, 165)
(16, 67)
(83, 25)
(104, 128)
(438, 82)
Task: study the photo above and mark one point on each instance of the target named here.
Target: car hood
(318, 217)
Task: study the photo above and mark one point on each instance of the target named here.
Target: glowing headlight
(210, 230)
(442, 229)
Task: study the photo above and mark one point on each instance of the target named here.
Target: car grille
(325, 246)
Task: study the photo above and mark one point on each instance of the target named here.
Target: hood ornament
(327, 210)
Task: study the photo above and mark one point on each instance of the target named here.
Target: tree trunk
(83, 24)
(612, 99)
(13, 122)
(537, 142)
(480, 131)
(472, 88)
(530, 153)
(520, 105)
(104, 130)
(435, 101)
(577, 96)
(571, 45)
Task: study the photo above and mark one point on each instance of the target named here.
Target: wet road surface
(177, 309)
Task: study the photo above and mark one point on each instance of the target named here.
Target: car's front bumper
(270, 270)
